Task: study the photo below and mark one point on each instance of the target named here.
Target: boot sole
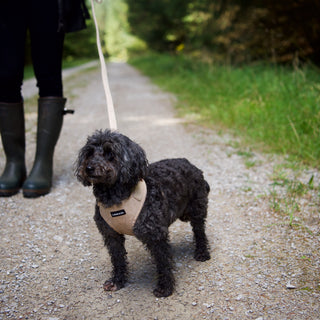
(9, 192)
(35, 193)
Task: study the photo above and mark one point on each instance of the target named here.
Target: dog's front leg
(161, 252)
(118, 254)
(115, 245)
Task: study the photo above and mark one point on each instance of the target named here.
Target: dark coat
(72, 15)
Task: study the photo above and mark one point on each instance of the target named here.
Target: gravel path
(53, 262)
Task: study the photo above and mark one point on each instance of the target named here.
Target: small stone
(58, 238)
(194, 304)
(290, 286)
(239, 297)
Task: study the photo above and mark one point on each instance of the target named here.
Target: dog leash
(104, 74)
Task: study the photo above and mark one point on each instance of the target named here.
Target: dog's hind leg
(201, 242)
(197, 212)
(161, 252)
(115, 245)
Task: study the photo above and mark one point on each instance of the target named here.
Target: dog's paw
(109, 285)
(202, 256)
(160, 292)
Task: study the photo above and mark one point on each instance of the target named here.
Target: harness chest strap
(123, 216)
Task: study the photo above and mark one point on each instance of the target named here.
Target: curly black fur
(176, 189)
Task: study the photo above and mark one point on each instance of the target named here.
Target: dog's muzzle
(100, 174)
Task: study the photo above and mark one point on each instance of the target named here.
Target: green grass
(293, 199)
(271, 107)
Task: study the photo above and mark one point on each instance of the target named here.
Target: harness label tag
(118, 213)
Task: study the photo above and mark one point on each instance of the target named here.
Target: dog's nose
(89, 169)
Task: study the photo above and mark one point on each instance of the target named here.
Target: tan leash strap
(110, 106)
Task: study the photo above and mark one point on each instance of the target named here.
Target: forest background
(250, 67)
(232, 31)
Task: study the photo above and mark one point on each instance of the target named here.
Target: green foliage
(115, 30)
(289, 196)
(81, 44)
(159, 23)
(236, 31)
(276, 108)
(28, 72)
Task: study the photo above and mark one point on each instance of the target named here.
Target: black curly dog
(176, 189)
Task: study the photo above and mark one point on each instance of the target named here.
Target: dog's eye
(90, 151)
(107, 151)
(108, 154)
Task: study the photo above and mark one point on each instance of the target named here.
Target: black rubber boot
(50, 118)
(13, 141)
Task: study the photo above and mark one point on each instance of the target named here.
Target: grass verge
(271, 107)
(297, 201)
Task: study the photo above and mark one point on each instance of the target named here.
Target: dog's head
(109, 157)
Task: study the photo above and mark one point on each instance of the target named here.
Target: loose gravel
(53, 262)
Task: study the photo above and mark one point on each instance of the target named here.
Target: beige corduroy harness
(123, 216)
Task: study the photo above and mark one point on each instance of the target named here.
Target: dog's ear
(79, 171)
(142, 163)
(134, 162)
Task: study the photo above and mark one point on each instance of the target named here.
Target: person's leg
(13, 29)
(46, 47)
(13, 26)
(46, 50)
